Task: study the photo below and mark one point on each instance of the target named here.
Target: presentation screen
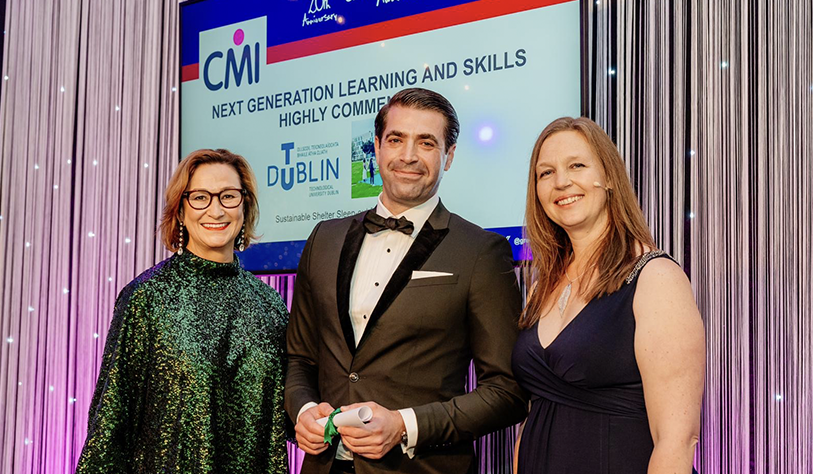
(294, 86)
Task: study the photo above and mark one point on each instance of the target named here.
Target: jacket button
(354, 377)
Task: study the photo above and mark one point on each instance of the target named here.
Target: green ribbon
(330, 428)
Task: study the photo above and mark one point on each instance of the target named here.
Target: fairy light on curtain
(712, 110)
(751, 239)
(89, 140)
(719, 235)
(637, 95)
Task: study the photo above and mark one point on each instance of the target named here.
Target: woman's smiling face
(212, 230)
(567, 171)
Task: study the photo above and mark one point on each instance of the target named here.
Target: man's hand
(310, 435)
(378, 436)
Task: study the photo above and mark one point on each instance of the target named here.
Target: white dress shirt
(379, 257)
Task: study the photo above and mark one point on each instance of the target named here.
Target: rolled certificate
(355, 417)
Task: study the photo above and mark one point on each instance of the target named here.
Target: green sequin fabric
(192, 375)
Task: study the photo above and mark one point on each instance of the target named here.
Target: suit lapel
(428, 239)
(347, 265)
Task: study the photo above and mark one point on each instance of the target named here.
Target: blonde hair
(618, 250)
(180, 180)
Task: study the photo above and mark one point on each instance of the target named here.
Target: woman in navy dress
(612, 344)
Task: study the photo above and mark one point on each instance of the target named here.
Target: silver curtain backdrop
(710, 103)
(88, 130)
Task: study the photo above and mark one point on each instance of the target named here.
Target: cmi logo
(240, 61)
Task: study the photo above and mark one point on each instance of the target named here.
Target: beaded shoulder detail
(645, 258)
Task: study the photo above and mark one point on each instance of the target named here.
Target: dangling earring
(241, 240)
(180, 238)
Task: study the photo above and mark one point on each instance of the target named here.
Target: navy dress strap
(643, 260)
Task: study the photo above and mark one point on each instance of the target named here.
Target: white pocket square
(418, 274)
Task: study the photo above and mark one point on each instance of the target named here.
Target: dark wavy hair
(422, 99)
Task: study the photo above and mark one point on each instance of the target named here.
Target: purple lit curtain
(89, 137)
(711, 103)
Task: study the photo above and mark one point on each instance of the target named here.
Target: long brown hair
(618, 250)
(180, 180)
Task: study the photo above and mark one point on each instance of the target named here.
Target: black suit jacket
(419, 341)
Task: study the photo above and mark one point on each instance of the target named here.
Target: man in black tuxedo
(390, 306)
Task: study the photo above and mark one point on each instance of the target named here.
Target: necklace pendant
(563, 299)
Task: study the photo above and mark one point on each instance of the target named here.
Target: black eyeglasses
(200, 199)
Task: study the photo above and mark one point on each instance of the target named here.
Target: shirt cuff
(304, 408)
(411, 424)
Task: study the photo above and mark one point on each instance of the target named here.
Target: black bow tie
(374, 223)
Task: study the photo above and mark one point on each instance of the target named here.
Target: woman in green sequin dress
(192, 375)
